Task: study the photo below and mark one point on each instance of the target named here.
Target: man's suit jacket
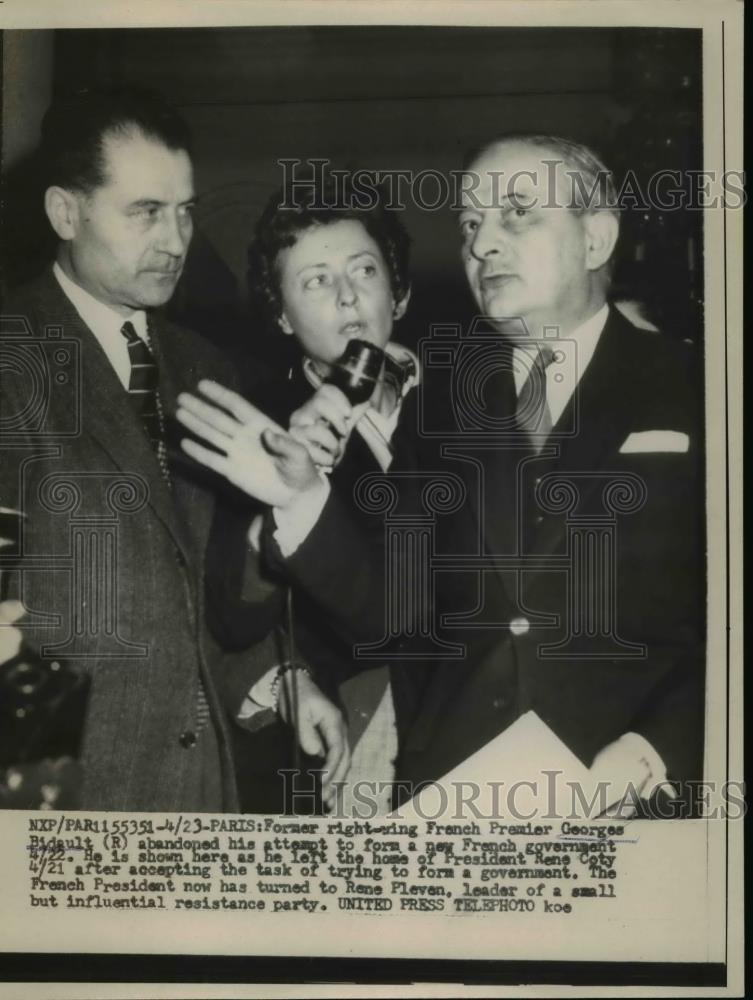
(119, 588)
(625, 655)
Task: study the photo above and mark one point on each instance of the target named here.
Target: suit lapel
(500, 501)
(193, 487)
(599, 412)
(106, 413)
(491, 476)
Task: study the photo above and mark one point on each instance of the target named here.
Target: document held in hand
(524, 772)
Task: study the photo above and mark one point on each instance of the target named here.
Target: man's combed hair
(75, 126)
(590, 183)
(321, 202)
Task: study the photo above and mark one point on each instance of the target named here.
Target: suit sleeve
(672, 719)
(341, 567)
(673, 722)
(342, 564)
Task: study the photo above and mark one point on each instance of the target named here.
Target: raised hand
(253, 452)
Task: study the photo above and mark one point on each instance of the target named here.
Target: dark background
(378, 98)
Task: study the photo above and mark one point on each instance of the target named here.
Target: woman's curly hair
(321, 202)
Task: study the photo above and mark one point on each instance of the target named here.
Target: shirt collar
(586, 336)
(97, 316)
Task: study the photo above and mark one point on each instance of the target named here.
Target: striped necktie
(143, 391)
(532, 413)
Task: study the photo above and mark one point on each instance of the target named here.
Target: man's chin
(157, 291)
(500, 307)
(504, 315)
(508, 321)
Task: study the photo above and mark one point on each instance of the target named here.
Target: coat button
(520, 626)
(187, 739)
(499, 703)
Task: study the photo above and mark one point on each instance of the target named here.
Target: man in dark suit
(582, 460)
(570, 579)
(116, 523)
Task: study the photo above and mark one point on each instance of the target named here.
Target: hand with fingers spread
(252, 451)
(323, 424)
(322, 731)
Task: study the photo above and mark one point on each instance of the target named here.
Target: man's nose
(175, 234)
(488, 239)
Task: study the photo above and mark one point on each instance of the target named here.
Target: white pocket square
(645, 441)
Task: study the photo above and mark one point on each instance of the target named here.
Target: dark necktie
(532, 412)
(143, 391)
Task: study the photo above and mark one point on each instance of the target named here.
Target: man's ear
(284, 324)
(399, 308)
(602, 229)
(61, 207)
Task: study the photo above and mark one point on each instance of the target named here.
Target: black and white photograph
(370, 435)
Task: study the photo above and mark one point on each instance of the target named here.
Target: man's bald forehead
(511, 146)
(565, 173)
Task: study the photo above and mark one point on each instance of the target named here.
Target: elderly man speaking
(575, 586)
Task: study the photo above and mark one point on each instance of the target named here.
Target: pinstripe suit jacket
(113, 558)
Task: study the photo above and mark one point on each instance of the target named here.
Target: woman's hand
(253, 452)
(323, 424)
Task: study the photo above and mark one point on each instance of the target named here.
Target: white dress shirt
(104, 323)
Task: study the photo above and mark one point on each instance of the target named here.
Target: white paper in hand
(526, 770)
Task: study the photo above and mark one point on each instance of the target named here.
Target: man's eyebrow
(158, 203)
(517, 196)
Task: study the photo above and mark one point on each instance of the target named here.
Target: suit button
(187, 739)
(539, 519)
(499, 703)
(180, 559)
(520, 626)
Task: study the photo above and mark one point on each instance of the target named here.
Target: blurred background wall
(384, 97)
(27, 86)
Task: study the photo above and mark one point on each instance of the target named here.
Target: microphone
(355, 374)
